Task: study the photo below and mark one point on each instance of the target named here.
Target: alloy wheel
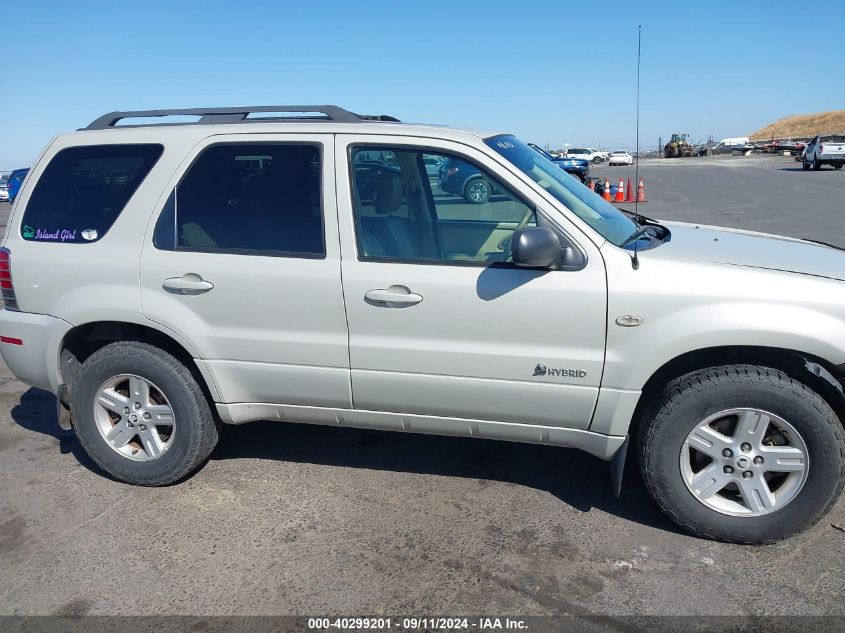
(478, 191)
(744, 462)
(134, 417)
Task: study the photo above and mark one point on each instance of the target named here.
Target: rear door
(243, 261)
(439, 325)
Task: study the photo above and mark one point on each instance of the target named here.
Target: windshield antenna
(635, 261)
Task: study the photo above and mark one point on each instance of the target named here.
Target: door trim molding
(597, 444)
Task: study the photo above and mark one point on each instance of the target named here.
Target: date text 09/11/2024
(418, 623)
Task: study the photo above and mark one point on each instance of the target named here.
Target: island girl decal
(58, 235)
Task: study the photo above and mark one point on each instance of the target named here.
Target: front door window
(413, 204)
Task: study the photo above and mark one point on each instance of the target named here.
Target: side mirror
(536, 247)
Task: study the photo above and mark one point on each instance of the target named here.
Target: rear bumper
(29, 344)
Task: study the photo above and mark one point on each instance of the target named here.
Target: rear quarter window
(83, 190)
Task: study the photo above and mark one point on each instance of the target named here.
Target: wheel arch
(471, 178)
(83, 340)
(823, 377)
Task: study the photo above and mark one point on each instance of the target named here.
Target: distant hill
(802, 125)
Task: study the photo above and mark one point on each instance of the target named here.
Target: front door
(243, 261)
(440, 323)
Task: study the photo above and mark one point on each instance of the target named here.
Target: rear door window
(83, 191)
(247, 199)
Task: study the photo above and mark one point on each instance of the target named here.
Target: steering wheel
(505, 244)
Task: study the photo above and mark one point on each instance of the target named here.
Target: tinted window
(252, 199)
(83, 190)
(459, 212)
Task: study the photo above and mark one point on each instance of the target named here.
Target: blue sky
(551, 71)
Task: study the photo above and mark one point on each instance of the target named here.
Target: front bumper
(30, 343)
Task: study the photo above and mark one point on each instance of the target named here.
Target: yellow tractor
(678, 146)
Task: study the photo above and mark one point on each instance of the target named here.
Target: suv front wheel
(141, 415)
(742, 453)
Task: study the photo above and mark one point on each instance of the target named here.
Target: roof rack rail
(240, 115)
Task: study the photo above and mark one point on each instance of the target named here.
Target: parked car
(600, 153)
(578, 167)
(4, 190)
(729, 146)
(462, 178)
(776, 147)
(432, 166)
(827, 149)
(592, 155)
(15, 181)
(620, 158)
(547, 316)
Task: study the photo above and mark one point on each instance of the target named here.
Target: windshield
(602, 216)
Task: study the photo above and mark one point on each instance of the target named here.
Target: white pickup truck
(825, 149)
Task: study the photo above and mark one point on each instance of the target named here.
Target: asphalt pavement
(764, 193)
(289, 519)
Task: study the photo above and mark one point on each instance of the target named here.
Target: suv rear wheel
(477, 191)
(141, 415)
(743, 454)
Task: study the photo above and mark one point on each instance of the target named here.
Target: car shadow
(572, 476)
(799, 168)
(36, 411)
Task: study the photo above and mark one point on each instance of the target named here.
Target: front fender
(635, 354)
(686, 306)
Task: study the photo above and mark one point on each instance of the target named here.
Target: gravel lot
(295, 519)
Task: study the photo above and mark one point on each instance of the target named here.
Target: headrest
(389, 193)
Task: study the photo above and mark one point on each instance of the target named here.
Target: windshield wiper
(649, 231)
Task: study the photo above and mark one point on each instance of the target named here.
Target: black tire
(597, 160)
(816, 164)
(688, 400)
(805, 165)
(195, 433)
(839, 166)
(477, 191)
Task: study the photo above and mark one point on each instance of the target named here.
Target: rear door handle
(187, 284)
(393, 297)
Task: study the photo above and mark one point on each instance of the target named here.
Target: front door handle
(187, 284)
(393, 297)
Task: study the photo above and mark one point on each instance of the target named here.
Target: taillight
(821, 149)
(6, 284)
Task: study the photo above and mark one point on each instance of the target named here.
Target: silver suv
(301, 263)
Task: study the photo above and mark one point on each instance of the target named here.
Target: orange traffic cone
(620, 192)
(641, 192)
(630, 190)
(589, 184)
(606, 190)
